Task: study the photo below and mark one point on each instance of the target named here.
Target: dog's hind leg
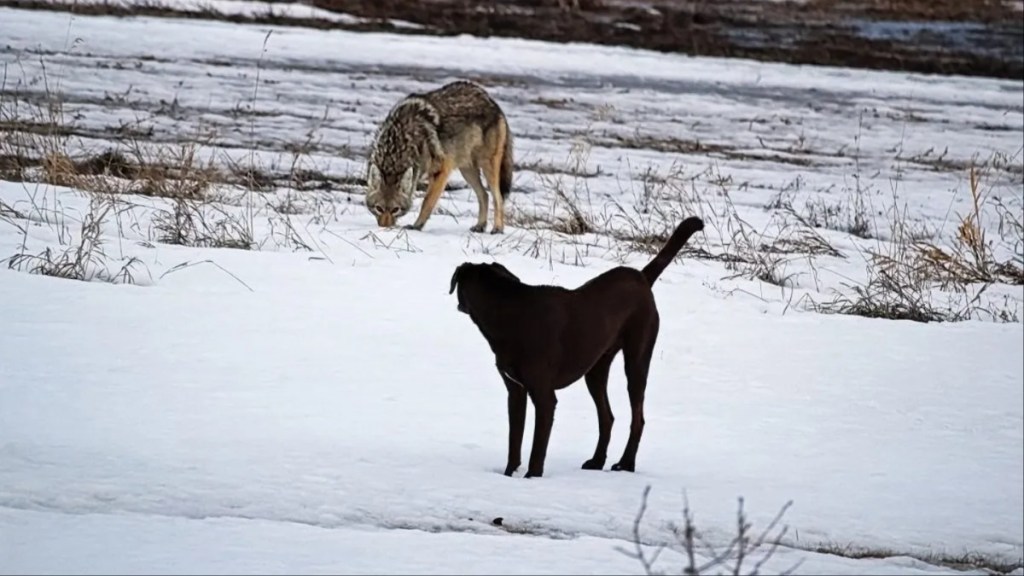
(597, 384)
(516, 423)
(637, 358)
(544, 408)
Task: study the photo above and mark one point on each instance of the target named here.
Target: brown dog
(544, 338)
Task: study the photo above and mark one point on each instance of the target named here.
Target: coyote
(455, 126)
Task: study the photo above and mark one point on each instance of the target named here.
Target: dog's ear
(505, 272)
(455, 277)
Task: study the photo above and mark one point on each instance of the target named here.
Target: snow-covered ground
(228, 8)
(328, 410)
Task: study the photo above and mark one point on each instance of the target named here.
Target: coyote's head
(389, 196)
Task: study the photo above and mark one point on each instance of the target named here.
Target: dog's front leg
(516, 423)
(544, 407)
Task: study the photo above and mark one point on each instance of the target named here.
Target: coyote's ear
(373, 177)
(455, 277)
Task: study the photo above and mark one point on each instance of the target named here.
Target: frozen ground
(230, 8)
(327, 409)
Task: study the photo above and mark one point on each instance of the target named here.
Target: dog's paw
(533, 474)
(624, 466)
(593, 464)
(510, 469)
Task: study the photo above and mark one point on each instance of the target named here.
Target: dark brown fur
(544, 338)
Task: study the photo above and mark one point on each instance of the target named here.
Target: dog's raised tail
(675, 243)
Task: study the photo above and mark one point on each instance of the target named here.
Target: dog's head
(470, 277)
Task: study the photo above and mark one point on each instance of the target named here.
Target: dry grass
(905, 274)
(191, 185)
(746, 549)
(568, 184)
(908, 277)
(850, 217)
(202, 225)
(850, 213)
(9, 214)
(81, 256)
(36, 145)
(971, 259)
(748, 252)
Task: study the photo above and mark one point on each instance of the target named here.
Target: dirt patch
(686, 146)
(978, 38)
(938, 36)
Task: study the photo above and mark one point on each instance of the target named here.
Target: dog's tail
(675, 243)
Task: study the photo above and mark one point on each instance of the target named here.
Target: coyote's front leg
(438, 180)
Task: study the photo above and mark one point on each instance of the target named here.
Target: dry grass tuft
(971, 259)
(82, 258)
(192, 222)
(904, 274)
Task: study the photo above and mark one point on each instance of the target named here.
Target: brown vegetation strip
(816, 32)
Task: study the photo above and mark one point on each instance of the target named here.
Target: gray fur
(456, 126)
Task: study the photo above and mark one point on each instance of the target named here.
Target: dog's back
(570, 325)
(587, 320)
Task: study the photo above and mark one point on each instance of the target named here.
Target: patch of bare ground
(965, 561)
(941, 36)
(793, 156)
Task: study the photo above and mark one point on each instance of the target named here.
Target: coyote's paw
(477, 228)
(413, 226)
(497, 231)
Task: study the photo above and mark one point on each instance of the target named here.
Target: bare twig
(731, 558)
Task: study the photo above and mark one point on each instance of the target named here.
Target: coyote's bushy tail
(505, 172)
(675, 243)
